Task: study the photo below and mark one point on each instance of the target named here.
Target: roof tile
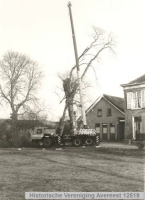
(116, 101)
(141, 79)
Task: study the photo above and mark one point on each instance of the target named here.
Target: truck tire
(47, 142)
(89, 141)
(77, 142)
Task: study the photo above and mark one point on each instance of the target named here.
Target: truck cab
(40, 133)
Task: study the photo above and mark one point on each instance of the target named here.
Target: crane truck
(82, 136)
(49, 137)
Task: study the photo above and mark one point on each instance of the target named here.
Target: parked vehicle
(48, 137)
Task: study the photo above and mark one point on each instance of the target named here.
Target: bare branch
(21, 77)
(99, 44)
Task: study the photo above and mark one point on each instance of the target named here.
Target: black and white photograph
(72, 99)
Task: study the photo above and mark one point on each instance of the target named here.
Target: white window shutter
(129, 100)
(143, 98)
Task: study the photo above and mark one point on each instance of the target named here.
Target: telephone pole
(77, 65)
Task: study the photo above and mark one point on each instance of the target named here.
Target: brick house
(134, 93)
(106, 115)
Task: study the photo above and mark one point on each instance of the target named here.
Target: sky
(41, 29)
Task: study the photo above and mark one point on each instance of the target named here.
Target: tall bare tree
(71, 96)
(100, 42)
(20, 78)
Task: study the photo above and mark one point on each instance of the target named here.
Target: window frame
(135, 99)
(143, 98)
(98, 110)
(112, 125)
(109, 109)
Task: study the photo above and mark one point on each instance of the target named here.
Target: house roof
(137, 81)
(116, 102)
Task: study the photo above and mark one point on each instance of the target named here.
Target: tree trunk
(71, 116)
(15, 130)
(70, 89)
(61, 122)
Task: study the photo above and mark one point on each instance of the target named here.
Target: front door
(104, 131)
(112, 132)
(137, 127)
(121, 130)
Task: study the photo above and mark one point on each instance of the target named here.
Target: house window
(112, 128)
(143, 98)
(99, 112)
(136, 100)
(39, 131)
(109, 112)
(97, 127)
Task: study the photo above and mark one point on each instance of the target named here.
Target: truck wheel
(47, 142)
(77, 142)
(89, 141)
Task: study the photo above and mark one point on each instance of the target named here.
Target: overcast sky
(41, 29)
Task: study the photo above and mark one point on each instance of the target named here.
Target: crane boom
(77, 66)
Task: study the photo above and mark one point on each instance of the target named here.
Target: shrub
(5, 144)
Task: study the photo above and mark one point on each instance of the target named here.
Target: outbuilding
(106, 115)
